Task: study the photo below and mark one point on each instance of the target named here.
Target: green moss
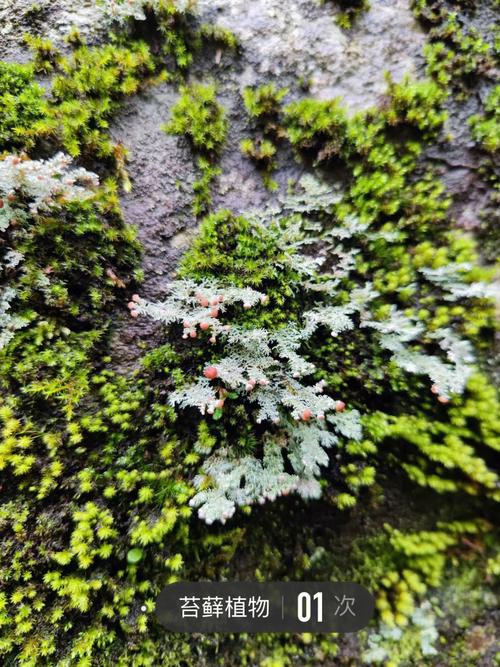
(203, 185)
(316, 127)
(350, 11)
(22, 107)
(77, 262)
(198, 116)
(56, 551)
(219, 36)
(457, 57)
(89, 90)
(74, 443)
(485, 127)
(322, 130)
(263, 105)
(444, 451)
(47, 57)
(262, 152)
(442, 565)
(96, 467)
(416, 104)
(233, 249)
(179, 40)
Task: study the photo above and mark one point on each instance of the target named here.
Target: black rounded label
(243, 606)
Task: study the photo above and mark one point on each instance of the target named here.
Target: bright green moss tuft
(264, 102)
(219, 36)
(350, 11)
(263, 153)
(457, 56)
(22, 107)
(179, 41)
(322, 128)
(416, 104)
(47, 57)
(202, 186)
(199, 116)
(233, 249)
(263, 105)
(317, 127)
(485, 127)
(88, 91)
(444, 451)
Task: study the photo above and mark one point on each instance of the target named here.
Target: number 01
(304, 607)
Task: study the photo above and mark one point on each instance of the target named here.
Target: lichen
(100, 470)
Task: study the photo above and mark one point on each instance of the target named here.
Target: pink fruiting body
(211, 372)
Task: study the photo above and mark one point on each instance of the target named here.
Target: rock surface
(292, 44)
(301, 43)
(50, 18)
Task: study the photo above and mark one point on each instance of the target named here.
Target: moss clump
(73, 442)
(219, 36)
(233, 249)
(263, 153)
(485, 127)
(378, 166)
(198, 116)
(202, 186)
(457, 57)
(89, 89)
(350, 11)
(178, 39)
(47, 57)
(322, 129)
(263, 105)
(75, 262)
(22, 107)
(58, 539)
(441, 449)
(316, 127)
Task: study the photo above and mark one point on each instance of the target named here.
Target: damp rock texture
(47, 18)
(297, 45)
(301, 41)
(289, 45)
